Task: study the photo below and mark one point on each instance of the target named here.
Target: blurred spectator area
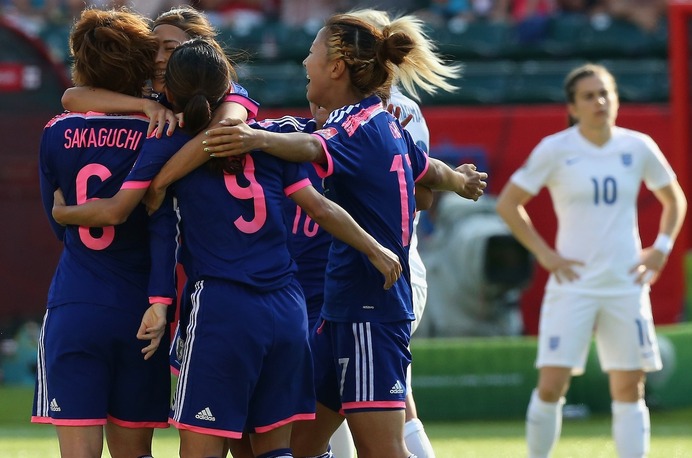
(500, 67)
(507, 60)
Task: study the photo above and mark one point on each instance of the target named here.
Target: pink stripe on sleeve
(322, 171)
(135, 185)
(160, 300)
(425, 170)
(251, 107)
(305, 182)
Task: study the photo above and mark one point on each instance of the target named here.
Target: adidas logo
(398, 388)
(205, 414)
(54, 407)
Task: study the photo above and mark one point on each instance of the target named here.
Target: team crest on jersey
(327, 133)
(554, 342)
(626, 159)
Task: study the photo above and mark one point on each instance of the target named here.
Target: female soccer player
(369, 164)
(600, 275)
(246, 363)
(91, 372)
(171, 28)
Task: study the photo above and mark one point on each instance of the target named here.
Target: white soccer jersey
(421, 135)
(594, 191)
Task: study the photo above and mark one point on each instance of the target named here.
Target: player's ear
(572, 112)
(337, 67)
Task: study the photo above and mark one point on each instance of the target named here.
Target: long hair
(112, 49)
(197, 79)
(380, 51)
(195, 25)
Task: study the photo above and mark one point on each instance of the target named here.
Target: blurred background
(484, 289)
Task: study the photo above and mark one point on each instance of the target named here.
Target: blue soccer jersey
(372, 164)
(99, 291)
(87, 156)
(308, 242)
(230, 223)
(246, 296)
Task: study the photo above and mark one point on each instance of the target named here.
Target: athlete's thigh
(218, 368)
(625, 334)
(566, 327)
(74, 368)
(287, 357)
(372, 360)
(378, 433)
(140, 397)
(420, 297)
(326, 373)
(230, 330)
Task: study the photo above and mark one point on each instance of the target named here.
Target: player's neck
(599, 136)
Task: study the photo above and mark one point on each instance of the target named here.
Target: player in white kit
(600, 274)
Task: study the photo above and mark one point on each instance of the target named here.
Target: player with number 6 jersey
(91, 372)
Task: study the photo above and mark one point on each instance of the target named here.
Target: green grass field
(671, 435)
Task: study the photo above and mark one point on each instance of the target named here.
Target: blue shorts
(246, 364)
(175, 351)
(361, 366)
(91, 370)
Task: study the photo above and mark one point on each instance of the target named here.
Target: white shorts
(420, 296)
(622, 325)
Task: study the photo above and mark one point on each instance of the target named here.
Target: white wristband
(663, 243)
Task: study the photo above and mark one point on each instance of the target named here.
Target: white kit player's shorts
(420, 297)
(622, 325)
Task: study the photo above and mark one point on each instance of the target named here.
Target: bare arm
(674, 205)
(465, 180)
(188, 158)
(654, 258)
(335, 220)
(98, 212)
(511, 208)
(424, 197)
(239, 138)
(83, 99)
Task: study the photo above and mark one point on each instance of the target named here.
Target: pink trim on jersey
(383, 405)
(138, 424)
(41, 420)
(209, 431)
(160, 300)
(90, 114)
(278, 424)
(323, 172)
(135, 184)
(304, 183)
(251, 108)
(354, 121)
(425, 170)
(175, 371)
(67, 422)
